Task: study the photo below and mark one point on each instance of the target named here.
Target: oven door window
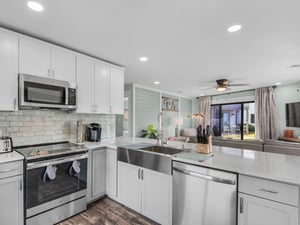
(43, 93)
(45, 184)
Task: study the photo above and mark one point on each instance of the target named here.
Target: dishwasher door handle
(205, 177)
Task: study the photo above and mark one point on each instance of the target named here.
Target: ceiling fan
(224, 84)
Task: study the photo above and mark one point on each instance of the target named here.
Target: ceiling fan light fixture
(220, 88)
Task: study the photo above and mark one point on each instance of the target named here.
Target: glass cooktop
(50, 149)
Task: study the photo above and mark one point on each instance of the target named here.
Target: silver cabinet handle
(142, 174)
(267, 190)
(205, 177)
(15, 103)
(241, 205)
(139, 174)
(21, 185)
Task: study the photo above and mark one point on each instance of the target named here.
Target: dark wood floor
(107, 212)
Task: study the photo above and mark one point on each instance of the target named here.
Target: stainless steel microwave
(42, 92)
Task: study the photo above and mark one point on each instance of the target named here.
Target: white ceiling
(186, 41)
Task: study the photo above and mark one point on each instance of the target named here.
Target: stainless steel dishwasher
(203, 196)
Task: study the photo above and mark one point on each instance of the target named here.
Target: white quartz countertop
(272, 166)
(10, 157)
(120, 141)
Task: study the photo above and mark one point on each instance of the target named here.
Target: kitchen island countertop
(272, 166)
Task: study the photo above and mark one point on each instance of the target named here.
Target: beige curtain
(266, 116)
(204, 108)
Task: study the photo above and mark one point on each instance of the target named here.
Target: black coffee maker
(93, 131)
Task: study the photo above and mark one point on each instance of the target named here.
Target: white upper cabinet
(85, 82)
(63, 64)
(116, 91)
(101, 87)
(34, 57)
(8, 71)
(42, 59)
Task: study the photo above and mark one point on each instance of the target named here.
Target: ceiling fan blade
(208, 88)
(238, 85)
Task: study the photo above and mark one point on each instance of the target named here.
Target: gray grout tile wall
(40, 126)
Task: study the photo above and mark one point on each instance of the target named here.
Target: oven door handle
(40, 164)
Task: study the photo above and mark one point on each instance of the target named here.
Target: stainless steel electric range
(56, 181)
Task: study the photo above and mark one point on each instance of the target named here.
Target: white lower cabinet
(11, 193)
(111, 173)
(96, 186)
(264, 202)
(146, 191)
(259, 211)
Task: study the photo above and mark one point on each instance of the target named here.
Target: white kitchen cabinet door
(63, 64)
(11, 201)
(157, 196)
(84, 78)
(8, 71)
(101, 87)
(111, 173)
(116, 91)
(129, 192)
(259, 211)
(34, 58)
(98, 173)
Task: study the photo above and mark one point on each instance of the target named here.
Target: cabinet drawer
(11, 169)
(267, 189)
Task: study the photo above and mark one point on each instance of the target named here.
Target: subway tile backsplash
(40, 126)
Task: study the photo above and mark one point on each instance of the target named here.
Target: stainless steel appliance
(6, 144)
(56, 181)
(203, 196)
(94, 132)
(45, 92)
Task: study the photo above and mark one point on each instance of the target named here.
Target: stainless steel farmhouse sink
(162, 150)
(158, 158)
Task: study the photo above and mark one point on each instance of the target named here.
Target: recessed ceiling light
(143, 59)
(156, 82)
(201, 94)
(277, 83)
(234, 28)
(35, 6)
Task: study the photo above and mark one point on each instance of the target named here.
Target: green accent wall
(186, 107)
(147, 108)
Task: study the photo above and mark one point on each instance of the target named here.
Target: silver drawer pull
(267, 190)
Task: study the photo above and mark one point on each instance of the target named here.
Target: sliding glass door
(234, 121)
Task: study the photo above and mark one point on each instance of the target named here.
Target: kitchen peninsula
(268, 183)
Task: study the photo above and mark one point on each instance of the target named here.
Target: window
(236, 121)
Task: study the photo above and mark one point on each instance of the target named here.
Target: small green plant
(150, 132)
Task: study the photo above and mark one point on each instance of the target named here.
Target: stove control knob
(75, 168)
